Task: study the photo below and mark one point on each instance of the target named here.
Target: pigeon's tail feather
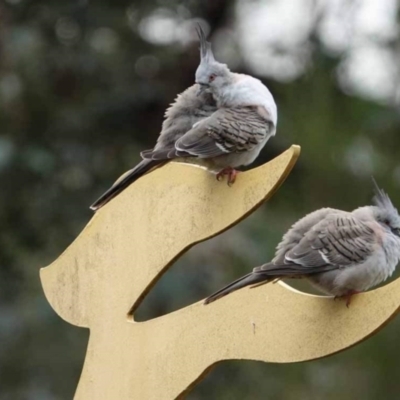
(247, 280)
(126, 179)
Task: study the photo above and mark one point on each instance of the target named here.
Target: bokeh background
(83, 88)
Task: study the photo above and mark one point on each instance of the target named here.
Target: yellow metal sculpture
(100, 280)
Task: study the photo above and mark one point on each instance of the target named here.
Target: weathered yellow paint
(129, 243)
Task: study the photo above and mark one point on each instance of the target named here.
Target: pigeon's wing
(187, 109)
(338, 241)
(298, 230)
(163, 154)
(228, 130)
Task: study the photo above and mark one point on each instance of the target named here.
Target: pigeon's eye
(212, 77)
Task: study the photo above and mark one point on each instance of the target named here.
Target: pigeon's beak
(202, 88)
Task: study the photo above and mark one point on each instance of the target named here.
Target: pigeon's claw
(231, 172)
(347, 297)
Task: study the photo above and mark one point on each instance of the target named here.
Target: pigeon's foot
(347, 297)
(231, 172)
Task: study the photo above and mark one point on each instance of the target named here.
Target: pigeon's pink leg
(347, 297)
(231, 172)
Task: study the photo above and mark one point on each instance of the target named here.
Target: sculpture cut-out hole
(209, 264)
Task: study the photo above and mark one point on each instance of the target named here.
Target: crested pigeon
(237, 131)
(341, 253)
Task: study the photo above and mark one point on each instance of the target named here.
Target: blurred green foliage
(83, 89)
